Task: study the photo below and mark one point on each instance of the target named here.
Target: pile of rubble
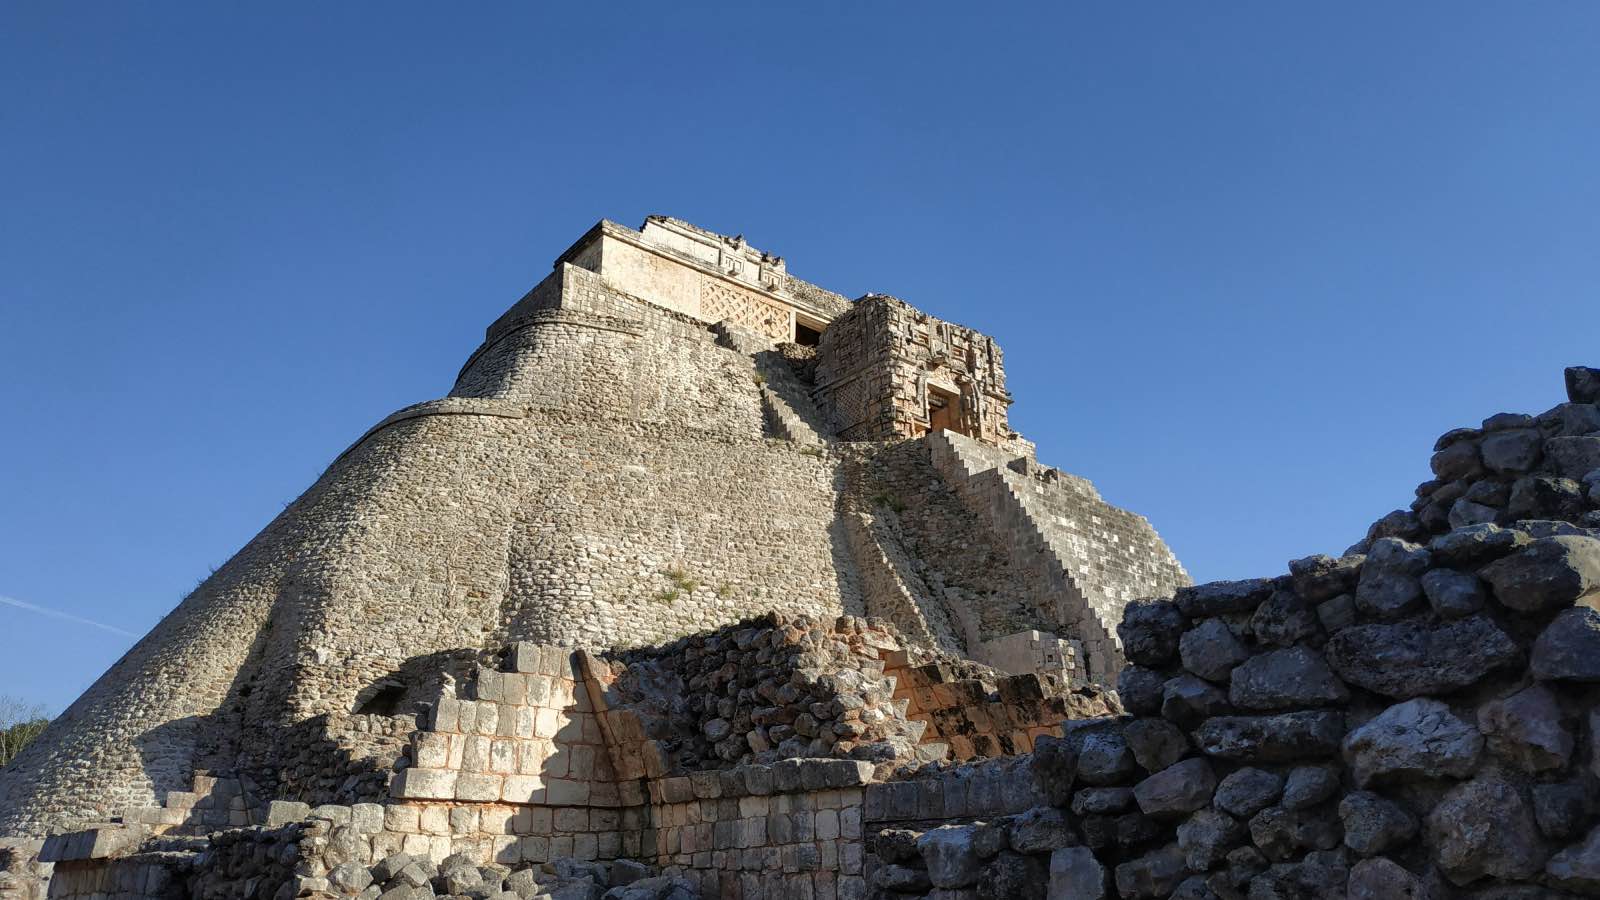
(403, 877)
(777, 687)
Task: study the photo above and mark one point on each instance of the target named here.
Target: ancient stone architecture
(686, 529)
(704, 582)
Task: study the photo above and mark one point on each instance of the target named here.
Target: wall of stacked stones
(1417, 722)
(1513, 466)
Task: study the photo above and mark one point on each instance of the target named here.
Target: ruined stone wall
(1513, 466)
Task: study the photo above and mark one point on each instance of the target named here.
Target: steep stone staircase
(1086, 558)
(790, 410)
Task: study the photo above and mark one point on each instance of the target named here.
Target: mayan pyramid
(667, 435)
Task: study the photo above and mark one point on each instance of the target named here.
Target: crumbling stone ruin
(705, 582)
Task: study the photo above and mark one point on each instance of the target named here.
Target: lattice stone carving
(719, 302)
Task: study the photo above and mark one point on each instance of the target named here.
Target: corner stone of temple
(705, 580)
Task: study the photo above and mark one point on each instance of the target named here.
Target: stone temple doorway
(944, 410)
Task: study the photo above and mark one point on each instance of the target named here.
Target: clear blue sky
(1246, 260)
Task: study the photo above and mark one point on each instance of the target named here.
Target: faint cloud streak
(68, 617)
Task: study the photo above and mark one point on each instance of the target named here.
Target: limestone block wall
(793, 829)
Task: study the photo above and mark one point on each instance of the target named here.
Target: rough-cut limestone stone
(1150, 632)
(1569, 648)
(1210, 650)
(1177, 790)
(1550, 573)
(1266, 739)
(950, 857)
(1075, 874)
(1485, 827)
(1221, 597)
(1419, 738)
(1413, 658)
(1247, 791)
(1155, 743)
(1306, 786)
(1373, 823)
(1383, 879)
(1206, 837)
(1525, 730)
(1293, 678)
(1284, 619)
(1577, 868)
(1156, 874)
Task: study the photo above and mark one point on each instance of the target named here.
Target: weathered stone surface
(1187, 700)
(1583, 384)
(1154, 875)
(1013, 876)
(1569, 647)
(1104, 757)
(1419, 738)
(1221, 597)
(1562, 810)
(1282, 833)
(1176, 790)
(1247, 791)
(1090, 801)
(1292, 678)
(1266, 739)
(1512, 452)
(1577, 868)
(1283, 619)
(1206, 837)
(1475, 544)
(1306, 786)
(1140, 690)
(1373, 823)
(1075, 874)
(1525, 730)
(1053, 767)
(1458, 460)
(1484, 827)
(897, 845)
(1383, 879)
(1550, 573)
(1156, 743)
(1542, 497)
(1150, 631)
(1572, 457)
(1388, 587)
(1318, 578)
(905, 878)
(950, 857)
(1210, 650)
(1453, 594)
(1042, 830)
(1412, 658)
(1465, 513)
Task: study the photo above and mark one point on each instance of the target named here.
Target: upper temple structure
(494, 607)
